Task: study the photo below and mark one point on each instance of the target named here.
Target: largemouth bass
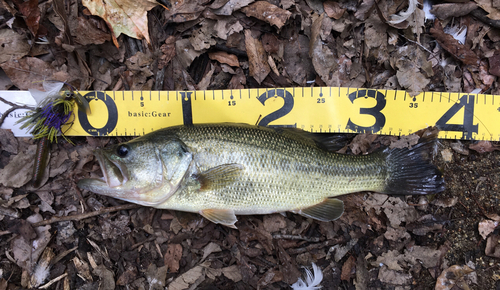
(224, 170)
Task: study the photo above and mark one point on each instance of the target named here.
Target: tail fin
(410, 171)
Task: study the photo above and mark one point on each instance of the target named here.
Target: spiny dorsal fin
(224, 217)
(328, 210)
(220, 176)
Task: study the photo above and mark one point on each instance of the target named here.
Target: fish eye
(122, 151)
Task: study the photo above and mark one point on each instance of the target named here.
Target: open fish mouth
(114, 173)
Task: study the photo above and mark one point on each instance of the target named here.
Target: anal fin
(224, 217)
(328, 210)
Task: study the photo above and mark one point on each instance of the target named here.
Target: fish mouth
(114, 173)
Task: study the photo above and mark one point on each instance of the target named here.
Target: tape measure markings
(353, 110)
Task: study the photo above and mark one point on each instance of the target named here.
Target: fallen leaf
(107, 280)
(238, 80)
(224, 57)
(453, 276)
(123, 16)
(232, 5)
(274, 223)
(488, 6)
(15, 45)
(86, 33)
(486, 227)
(19, 170)
(30, 72)
(296, 61)
(493, 246)
(484, 146)
(267, 12)
(333, 9)
(257, 57)
(393, 277)
(156, 277)
(410, 78)
(324, 61)
(209, 249)
(31, 13)
(168, 52)
(8, 142)
(232, 273)
(83, 269)
(447, 10)
(26, 253)
(185, 280)
(347, 268)
(450, 44)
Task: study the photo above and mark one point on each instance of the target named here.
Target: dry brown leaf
(392, 277)
(484, 146)
(238, 81)
(333, 9)
(86, 33)
(30, 72)
(494, 63)
(450, 44)
(487, 5)
(156, 277)
(410, 78)
(267, 12)
(209, 249)
(493, 246)
(274, 223)
(31, 13)
(8, 141)
(123, 16)
(224, 57)
(185, 280)
(232, 273)
(232, 5)
(19, 170)
(486, 227)
(347, 268)
(324, 61)
(257, 57)
(453, 276)
(14, 45)
(172, 257)
(446, 10)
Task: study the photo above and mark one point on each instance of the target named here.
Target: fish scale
(223, 170)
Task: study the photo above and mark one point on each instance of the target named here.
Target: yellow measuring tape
(318, 109)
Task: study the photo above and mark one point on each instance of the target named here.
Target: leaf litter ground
(62, 238)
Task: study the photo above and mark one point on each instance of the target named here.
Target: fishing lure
(45, 122)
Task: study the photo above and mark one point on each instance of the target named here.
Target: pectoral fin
(220, 176)
(328, 210)
(224, 217)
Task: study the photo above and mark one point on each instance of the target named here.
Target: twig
(412, 41)
(10, 110)
(327, 243)
(53, 281)
(82, 216)
(294, 237)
